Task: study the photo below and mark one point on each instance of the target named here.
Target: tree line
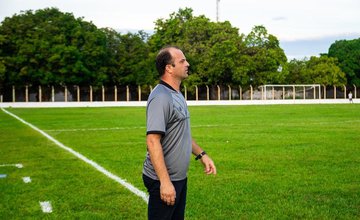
(49, 47)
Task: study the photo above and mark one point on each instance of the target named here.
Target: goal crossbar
(313, 87)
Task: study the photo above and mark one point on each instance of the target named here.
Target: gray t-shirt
(167, 114)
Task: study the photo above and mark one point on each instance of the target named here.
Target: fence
(196, 93)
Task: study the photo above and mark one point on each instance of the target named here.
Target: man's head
(171, 60)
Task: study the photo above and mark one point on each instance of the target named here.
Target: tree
(264, 62)
(320, 70)
(2, 76)
(49, 47)
(128, 62)
(324, 70)
(297, 71)
(221, 61)
(134, 62)
(348, 54)
(211, 48)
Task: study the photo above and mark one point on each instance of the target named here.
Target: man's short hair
(164, 58)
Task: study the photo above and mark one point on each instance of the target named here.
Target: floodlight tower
(217, 10)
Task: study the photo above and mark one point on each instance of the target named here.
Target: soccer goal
(307, 91)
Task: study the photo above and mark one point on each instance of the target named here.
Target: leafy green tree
(211, 48)
(128, 62)
(324, 70)
(221, 61)
(2, 76)
(134, 62)
(297, 70)
(348, 54)
(49, 47)
(171, 32)
(263, 61)
(113, 53)
(317, 70)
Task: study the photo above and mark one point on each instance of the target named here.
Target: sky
(304, 27)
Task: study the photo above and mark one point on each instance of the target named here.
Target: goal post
(292, 91)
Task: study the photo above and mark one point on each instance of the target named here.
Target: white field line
(46, 206)
(127, 185)
(202, 126)
(95, 129)
(18, 165)
(26, 179)
(123, 128)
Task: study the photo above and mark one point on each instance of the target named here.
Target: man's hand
(209, 166)
(168, 193)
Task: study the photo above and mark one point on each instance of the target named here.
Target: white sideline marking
(198, 126)
(122, 128)
(18, 165)
(46, 207)
(127, 185)
(26, 179)
(97, 129)
(2, 176)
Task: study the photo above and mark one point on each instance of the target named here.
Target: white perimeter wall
(190, 103)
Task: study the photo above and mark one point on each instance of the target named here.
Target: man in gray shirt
(169, 141)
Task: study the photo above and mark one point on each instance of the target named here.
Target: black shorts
(157, 209)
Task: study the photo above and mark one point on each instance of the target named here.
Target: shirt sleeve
(157, 114)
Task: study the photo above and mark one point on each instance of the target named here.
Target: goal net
(308, 91)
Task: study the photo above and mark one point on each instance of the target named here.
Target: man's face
(180, 66)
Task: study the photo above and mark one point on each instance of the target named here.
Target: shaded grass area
(281, 161)
(76, 190)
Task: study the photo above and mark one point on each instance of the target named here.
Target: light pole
(217, 10)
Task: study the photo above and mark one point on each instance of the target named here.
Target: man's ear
(168, 68)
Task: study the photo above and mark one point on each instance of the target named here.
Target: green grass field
(273, 162)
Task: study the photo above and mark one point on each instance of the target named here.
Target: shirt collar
(167, 85)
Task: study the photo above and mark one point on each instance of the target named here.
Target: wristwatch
(200, 155)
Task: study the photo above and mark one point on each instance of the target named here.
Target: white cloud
(288, 20)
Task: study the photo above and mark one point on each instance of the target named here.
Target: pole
(217, 10)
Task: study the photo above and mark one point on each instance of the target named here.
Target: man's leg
(157, 209)
(181, 190)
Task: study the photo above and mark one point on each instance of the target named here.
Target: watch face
(200, 155)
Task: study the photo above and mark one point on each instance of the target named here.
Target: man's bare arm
(167, 190)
